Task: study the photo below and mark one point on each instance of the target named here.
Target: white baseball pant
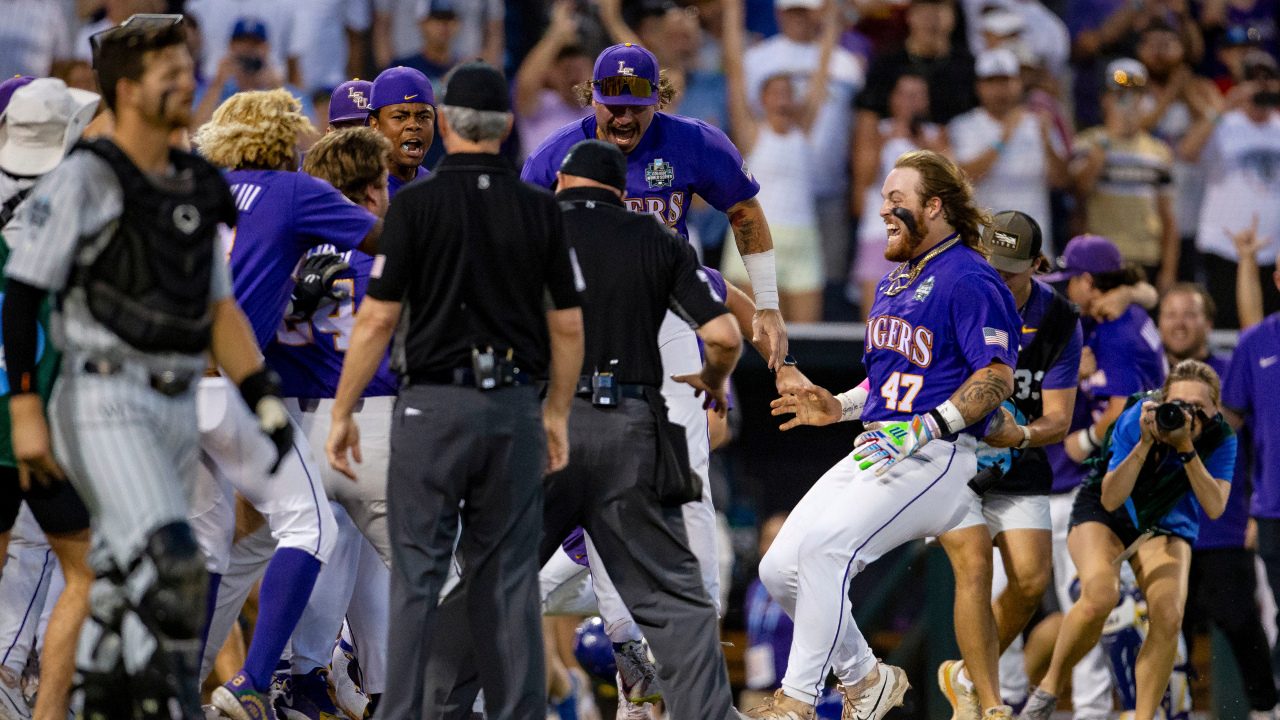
(236, 457)
(25, 592)
(847, 520)
(566, 587)
(1091, 677)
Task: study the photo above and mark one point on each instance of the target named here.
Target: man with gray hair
(469, 253)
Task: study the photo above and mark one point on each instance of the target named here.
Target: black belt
(464, 377)
(167, 383)
(313, 404)
(636, 392)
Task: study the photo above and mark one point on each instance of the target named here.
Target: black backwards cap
(597, 160)
(479, 86)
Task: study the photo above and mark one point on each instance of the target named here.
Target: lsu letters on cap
(350, 101)
(479, 86)
(400, 84)
(43, 120)
(625, 74)
(597, 160)
(1014, 241)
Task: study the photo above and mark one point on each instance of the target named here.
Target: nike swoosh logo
(410, 97)
(1267, 362)
(880, 697)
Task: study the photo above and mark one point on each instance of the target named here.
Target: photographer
(1169, 453)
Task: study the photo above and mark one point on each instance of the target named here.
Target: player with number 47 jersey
(941, 348)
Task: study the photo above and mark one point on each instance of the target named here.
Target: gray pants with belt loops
(485, 451)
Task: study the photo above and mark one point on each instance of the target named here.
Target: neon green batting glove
(886, 443)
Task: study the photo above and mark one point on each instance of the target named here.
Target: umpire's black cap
(597, 160)
(479, 86)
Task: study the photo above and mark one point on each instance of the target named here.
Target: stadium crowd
(1139, 141)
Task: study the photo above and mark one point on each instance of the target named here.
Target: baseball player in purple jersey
(402, 107)
(669, 159)
(282, 214)
(941, 348)
(349, 104)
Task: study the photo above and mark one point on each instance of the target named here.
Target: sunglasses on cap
(147, 21)
(619, 85)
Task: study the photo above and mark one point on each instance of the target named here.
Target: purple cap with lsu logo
(625, 74)
(350, 101)
(1091, 254)
(400, 85)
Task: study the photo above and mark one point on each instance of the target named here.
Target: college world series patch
(659, 174)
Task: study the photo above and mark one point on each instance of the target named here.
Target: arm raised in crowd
(565, 327)
(562, 32)
(820, 80)
(1248, 282)
(611, 18)
(743, 125)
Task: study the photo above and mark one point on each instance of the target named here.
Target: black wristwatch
(788, 361)
(1187, 456)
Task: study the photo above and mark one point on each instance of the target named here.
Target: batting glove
(315, 284)
(886, 443)
(261, 392)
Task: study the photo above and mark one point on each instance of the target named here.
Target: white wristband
(761, 269)
(851, 403)
(1084, 439)
(952, 419)
(1026, 437)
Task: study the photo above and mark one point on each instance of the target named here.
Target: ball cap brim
(42, 121)
(1014, 241)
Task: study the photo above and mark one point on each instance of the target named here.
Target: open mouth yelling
(895, 229)
(413, 149)
(624, 134)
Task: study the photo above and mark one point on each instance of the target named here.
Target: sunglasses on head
(619, 85)
(138, 20)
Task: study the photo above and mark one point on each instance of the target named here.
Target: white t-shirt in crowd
(1043, 32)
(1188, 180)
(33, 33)
(1019, 179)
(1241, 167)
(320, 27)
(83, 50)
(217, 19)
(829, 138)
(783, 165)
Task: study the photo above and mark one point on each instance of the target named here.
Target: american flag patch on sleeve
(992, 336)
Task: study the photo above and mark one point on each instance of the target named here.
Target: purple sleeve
(1066, 372)
(986, 322)
(324, 215)
(1239, 380)
(724, 179)
(1113, 351)
(716, 281)
(539, 168)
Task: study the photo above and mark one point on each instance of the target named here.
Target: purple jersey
(575, 546)
(394, 183)
(282, 215)
(1249, 389)
(924, 343)
(308, 353)
(677, 158)
(1066, 372)
(1228, 529)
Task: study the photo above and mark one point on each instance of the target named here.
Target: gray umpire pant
(608, 489)
(485, 451)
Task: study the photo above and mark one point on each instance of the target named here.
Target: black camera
(1171, 416)
(250, 63)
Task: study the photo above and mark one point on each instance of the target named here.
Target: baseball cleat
(999, 712)
(637, 678)
(13, 706)
(1040, 706)
(870, 699)
(240, 700)
(782, 707)
(310, 698)
(964, 701)
(629, 710)
(348, 681)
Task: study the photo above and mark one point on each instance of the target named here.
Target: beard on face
(904, 247)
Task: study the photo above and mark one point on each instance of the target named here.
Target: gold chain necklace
(901, 277)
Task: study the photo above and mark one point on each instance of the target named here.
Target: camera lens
(1169, 417)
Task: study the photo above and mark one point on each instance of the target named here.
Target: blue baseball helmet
(594, 650)
(1003, 457)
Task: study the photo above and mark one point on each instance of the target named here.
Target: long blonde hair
(943, 179)
(255, 130)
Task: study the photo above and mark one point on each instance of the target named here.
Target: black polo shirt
(635, 269)
(478, 257)
(950, 79)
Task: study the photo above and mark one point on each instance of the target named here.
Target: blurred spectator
(439, 28)
(1012, 154)
(1223, 581)
(1125, 178)
(1025, 26)
(218, 20)
(769, 629)
(779, 152)
(907, 128)
(330, 36)
(117, 11)
(1104, 30)
(1241, 167)
(480, 28)
(1181, 99)
(795, 51)
(75, 73)
(1257, 17)
(545, 100)
(246, 66)
(1231, 47)
(927, 53)
(33, 33)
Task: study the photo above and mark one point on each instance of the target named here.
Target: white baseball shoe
(782, 707)
(348, 681)
(964, 701)
(873, 696)
(628, 710)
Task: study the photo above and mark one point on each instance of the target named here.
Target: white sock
(963, 677)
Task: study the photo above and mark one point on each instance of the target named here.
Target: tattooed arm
(983, 392)
(751, 232)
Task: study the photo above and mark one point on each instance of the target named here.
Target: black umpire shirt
(477, 256)
(635, 269)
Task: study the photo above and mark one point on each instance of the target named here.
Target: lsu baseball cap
(1014, 241)
(249, 28)
(1126, 73)
(597, 160)
(43, 120)
(350, 101)
(625, 74)
(8, 86)
(1087, 254)
(400, 85)
(1000, 62)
